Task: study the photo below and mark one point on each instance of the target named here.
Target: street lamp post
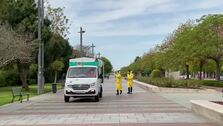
(81, 32)
(41, 49)
(92, 49)
(99, 55)
(42, 56)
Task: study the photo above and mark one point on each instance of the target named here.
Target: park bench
(17, 92)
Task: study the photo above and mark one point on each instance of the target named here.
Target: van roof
(83, 59)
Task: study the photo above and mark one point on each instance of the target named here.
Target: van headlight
(93, 84)
(69, 86)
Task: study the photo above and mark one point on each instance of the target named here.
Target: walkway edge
(208, 109)
(148, 86)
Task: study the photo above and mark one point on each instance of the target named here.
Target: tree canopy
(193, 47)
(19, 19)
(107, 65)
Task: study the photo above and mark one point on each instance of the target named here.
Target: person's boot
(128, 91)
(120, 92)
(131, 90)
(117, 92)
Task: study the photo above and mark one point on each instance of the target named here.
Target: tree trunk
(218, 69)
(23, 72)
(55, 77)
(187, 70)
(201, 70)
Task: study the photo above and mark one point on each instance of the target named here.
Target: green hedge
(9, 78)
(212, 83)
(171, 83)
(155, 74)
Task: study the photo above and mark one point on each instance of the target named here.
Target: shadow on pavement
(81, 100)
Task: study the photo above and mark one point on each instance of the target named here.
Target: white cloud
(127, 52)
(206, 4)
(125, 8)
(135, 18)
(105, 17)
(159, 29)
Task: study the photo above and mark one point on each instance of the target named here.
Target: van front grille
(81, 87)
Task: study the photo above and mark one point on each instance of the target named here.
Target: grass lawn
(6, 94)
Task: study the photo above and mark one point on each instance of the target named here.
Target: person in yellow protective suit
(130, 77)
(118, 77)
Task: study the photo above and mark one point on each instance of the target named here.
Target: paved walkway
(139, 109)
(184, 98)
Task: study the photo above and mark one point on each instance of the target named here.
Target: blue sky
(124, 29)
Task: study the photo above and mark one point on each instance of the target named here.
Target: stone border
(148, 86)
(209, 110)
(184, 90)
(173, 90)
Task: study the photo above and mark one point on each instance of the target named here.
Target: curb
(148, 86)
(209, 110)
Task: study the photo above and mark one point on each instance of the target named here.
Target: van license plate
(80, 92)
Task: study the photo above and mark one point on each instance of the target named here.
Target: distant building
(195, 75)
(175, 74)
(76, 53)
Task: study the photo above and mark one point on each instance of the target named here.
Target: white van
(84, 78)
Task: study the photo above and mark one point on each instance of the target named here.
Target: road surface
(141, 108)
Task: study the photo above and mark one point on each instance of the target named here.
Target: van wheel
(96, 98)
(66, 98)
(100, 94)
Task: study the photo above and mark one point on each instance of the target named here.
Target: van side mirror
(101, 78)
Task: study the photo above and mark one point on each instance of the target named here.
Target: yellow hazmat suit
(130, 77)
(119, 83)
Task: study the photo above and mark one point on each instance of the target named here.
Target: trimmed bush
(2, 78)
(156, 74)
(32, 81)
(212, 83)
(194, 83)
(171, 83)
(9, 78)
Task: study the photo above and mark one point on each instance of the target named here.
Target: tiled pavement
(139, 109)
(184, 98)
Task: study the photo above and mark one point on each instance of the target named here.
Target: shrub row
(155, 74)
(9, 78)
(212, 83)
(171, 83)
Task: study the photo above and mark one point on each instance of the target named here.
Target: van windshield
(82, 72)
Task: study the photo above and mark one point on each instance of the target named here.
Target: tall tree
(57, 48)
(180, 52)
(57, 66)
(86, 51)
(21, 15)
(107, 65)
(211, 28)
(16, 48)
(59, 22)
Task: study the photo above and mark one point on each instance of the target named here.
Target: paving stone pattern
(142, 108)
